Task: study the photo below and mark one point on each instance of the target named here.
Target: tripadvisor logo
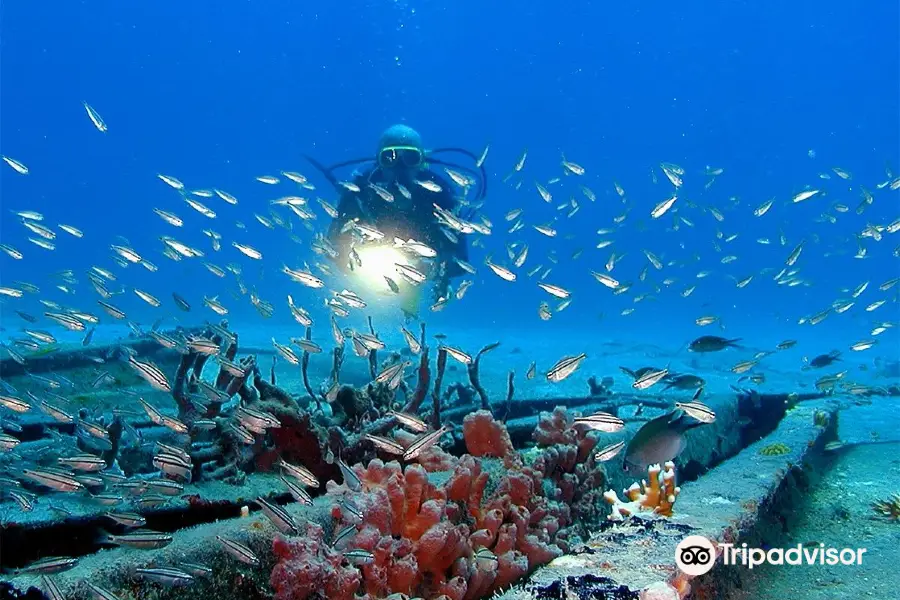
(696, 555)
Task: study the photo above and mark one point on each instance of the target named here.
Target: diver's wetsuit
(415, 220)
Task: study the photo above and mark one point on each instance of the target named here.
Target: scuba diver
(397, 196)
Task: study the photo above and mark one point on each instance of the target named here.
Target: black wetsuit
(415, 220)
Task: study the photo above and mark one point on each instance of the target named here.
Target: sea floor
(838, 513)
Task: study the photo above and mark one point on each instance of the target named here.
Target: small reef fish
(658, 440)
(143, 539)
(712, 343)
(565, 367)
(238, 551)
(423, 443)
(95, 118)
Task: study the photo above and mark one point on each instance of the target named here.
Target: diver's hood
(478, 172)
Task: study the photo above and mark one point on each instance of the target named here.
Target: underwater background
(220, 93)
(782, 97)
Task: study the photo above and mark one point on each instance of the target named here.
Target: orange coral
(486, 437)
(452, 539)
(658, 496)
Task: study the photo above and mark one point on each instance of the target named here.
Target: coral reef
(458, 539)
(486, 437)
(567, 464)
(494, 516)
(658, 496)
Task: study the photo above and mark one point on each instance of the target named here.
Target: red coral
(429, 540)
(306, 567)
(486, 437)
(554, 428)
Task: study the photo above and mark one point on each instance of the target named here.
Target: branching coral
(658, 496)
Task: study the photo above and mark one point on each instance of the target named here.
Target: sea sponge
(658, 496)
(306, 566)
(486, 437)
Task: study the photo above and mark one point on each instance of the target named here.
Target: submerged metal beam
(733, 503)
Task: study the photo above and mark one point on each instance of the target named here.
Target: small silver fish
(239, 551)
(423, 442)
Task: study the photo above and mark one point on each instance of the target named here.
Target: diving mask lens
(406, 156)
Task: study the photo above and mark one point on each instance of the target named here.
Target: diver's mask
(392, 157)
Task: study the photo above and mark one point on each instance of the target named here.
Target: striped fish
(66, 320)
(422, 443)
(409, 421)
(242, 433)
(181, 302)
(697, 410)
(360, 557)
(385, 444)
(300, 473)
(174, 424)
(48, 566)
(166, 576)
(8, 442)
(601, 421)
(24, 500)
(343, 535)
(54, 480)
(167, 449)
(649, 379)
(83, 462)
(195, 569)
(239, 551)
(152, 412)
(14, 404)
(609, 452)
(127, 519)
(151, 374)
(51, 590)
(111, 310)
(173, 466)
(299, 494)
(100, 593)
(279, 517)
(164, 340)
(350, 476)
(139, 539)
(164, 486)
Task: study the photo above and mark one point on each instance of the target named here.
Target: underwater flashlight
(379, 261)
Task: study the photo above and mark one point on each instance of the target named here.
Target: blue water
(219, 93)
